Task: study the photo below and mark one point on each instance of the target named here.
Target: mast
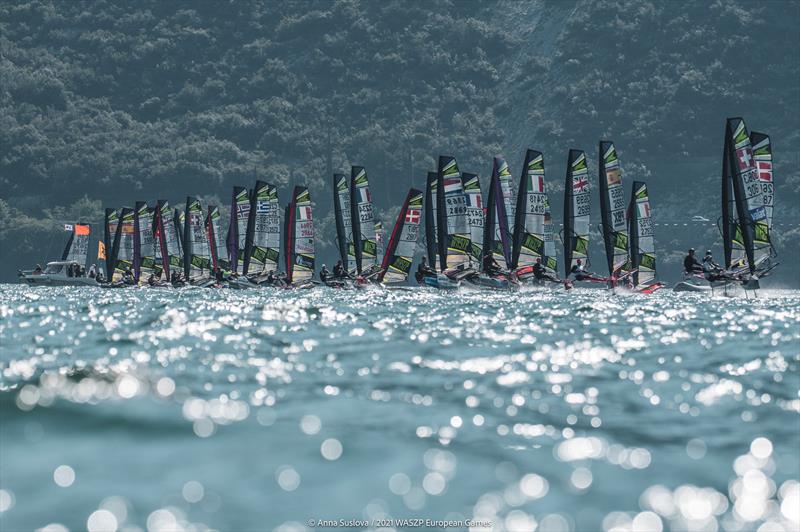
(431, 246)
(110, 229)
(160, 231)
(497, 234)
(529, 223)
(402, 243)
(612, 209)
(577, 202)
(344, 225)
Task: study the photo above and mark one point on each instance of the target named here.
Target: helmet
(324, 266)
(708, 252)
(538, 260)
(579, 261)
(691, 250)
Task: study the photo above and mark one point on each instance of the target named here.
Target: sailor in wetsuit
(152, 281)
(578, 272)
(339, 271)
(219, 275)
(690, 264)
(324, 274)
(491, 266)
(541, 273)
(712, 270)
(127, 277)
(423, 270)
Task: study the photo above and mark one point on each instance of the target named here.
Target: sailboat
(71, 269)
(196, 248)
(299, 240)
(365, 248)
(577, 208)
(533, 229)
(614, 227)
(144, 249)
(642, 243)
(399, 254)
(168, 251)
(344, 225)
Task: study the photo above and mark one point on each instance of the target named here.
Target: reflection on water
(250, 410)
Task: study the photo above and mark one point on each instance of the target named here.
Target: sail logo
(450, 169)
(413, 216)
(744, 157)
(579, 183)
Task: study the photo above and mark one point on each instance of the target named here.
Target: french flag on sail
(364, 195)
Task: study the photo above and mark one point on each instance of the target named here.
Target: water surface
(252, 410)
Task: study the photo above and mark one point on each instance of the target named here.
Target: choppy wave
(264, 409)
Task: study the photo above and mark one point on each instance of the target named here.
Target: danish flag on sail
(412, 216)
(745, 157)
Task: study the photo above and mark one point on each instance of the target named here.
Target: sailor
(93, 271)
(152, 281)
(218, 275)
(127, 277)
(338, 271)
(423, 270)
(541, 273)
(712, 270)
(491, 266)
(100, 277)
(690, 264)
(578, 271)
(324, 274)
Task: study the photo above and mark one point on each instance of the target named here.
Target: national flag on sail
(101, 251)
(744, 156)
(452, 184)
(579, 183)
(644, 209)
(765, 170)
(537, 183)
(612, 177)
(413, 216)
(68, 227)
(304, 213)
(364, 195)
(474, 200)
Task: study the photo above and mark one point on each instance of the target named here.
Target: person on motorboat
(324, 274)
(690, 263)
(38, 270)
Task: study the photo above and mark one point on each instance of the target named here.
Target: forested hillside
(110, 101)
